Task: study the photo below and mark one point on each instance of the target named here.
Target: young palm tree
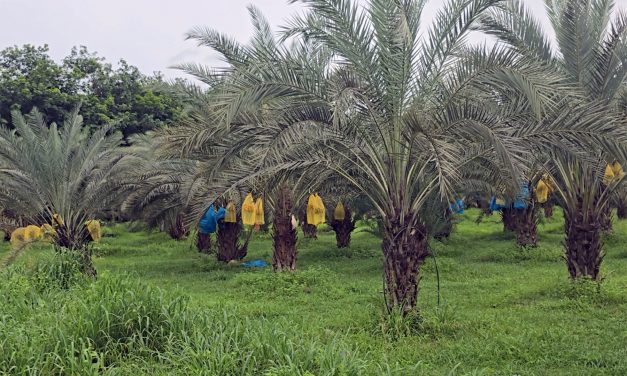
(333, 189)
(508, 217)
(176, 228)
(591, 55)
(68, 170)
(397, 116)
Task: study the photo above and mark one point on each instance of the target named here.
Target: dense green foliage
(30, 78)
(503, 310)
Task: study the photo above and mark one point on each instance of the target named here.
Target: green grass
(503, 311)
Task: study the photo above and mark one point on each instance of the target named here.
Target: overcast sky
(147, 33)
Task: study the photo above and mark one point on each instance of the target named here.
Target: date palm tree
(67, 170)
(398, 116)
(590, 52)
(159, 187)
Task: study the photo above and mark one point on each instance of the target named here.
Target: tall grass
(117, 323)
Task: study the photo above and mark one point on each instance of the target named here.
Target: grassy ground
(503, 310)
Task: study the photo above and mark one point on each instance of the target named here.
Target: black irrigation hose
(385, 296)
(437, 272)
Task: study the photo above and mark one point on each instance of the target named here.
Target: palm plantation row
(362, 105)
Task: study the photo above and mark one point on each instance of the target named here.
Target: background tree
(29, 78)
(122, 96)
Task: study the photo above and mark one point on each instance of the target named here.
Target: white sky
(147, 33)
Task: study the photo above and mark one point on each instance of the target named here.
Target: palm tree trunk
(621, 207)
(309, 231)
(229, 247)
(548, 208)
(405, 250)
(343, 229)
(203, 243)
(508, 216)
(527, 226)
(605, 219)
(283, 234)
(484, 205)
(526, 223)
(583, 245)
(178, 230)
